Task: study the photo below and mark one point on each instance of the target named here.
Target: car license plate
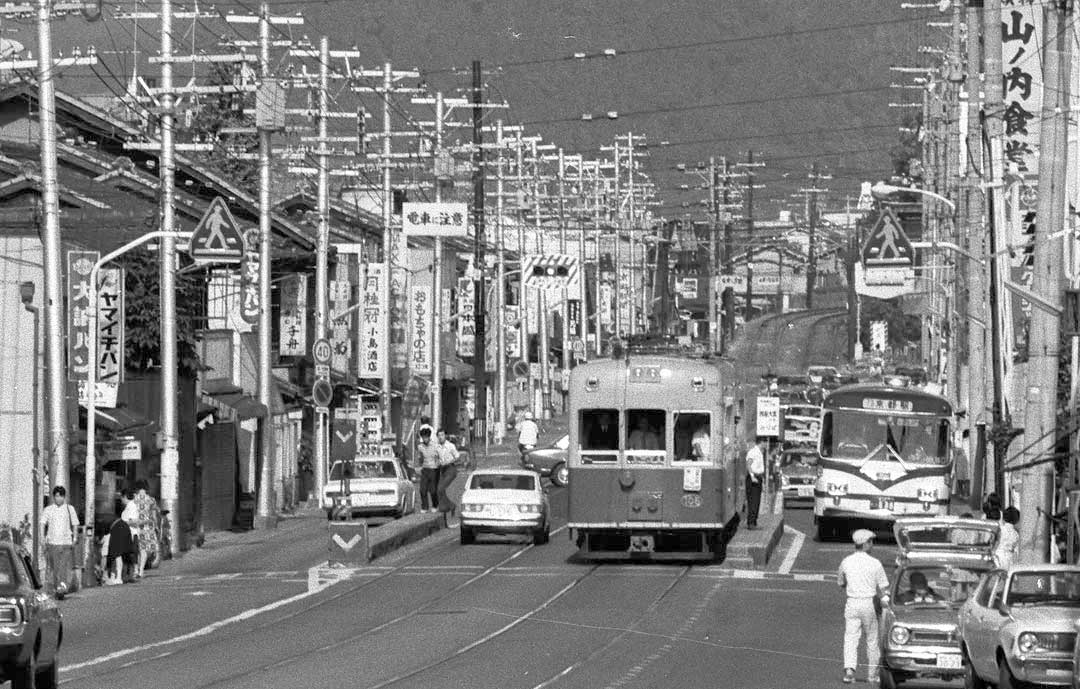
(361, 499)
(881, 503)
(949, 661)
(806, 491)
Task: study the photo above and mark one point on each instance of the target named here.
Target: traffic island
(752, 548)
(357, 542)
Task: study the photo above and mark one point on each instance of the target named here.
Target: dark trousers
(753, 501)
(447, 474)
(429, 486)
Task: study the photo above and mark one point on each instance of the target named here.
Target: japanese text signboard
(79, 265)
(466, 313)
(1021, 38)
(399, 326)
(435, 219)
(342, 326)
(606, 303)
(768, 417)
(573, 316)
(110, 324)
(292, 330)
(421, 350)
(373, 355)
(249, 279)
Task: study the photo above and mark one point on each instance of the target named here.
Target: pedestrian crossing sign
(217, 237)
(888, 246)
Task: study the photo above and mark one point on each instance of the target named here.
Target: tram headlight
(899, 635)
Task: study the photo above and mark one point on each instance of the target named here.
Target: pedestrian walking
(755, 476)
(149, 527)
(1009, 539)
(61, 528)
(448, 459)
(863, 579)
(429, 472)
(123, 548)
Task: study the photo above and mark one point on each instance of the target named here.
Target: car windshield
(854, 435)
(502, 482)
(562, 443)
(1044, 588)
(934, 585)
(795, 459)
(7, 569)
(362, 469)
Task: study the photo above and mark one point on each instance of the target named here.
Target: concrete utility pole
(975, 271)
(170, 455)
(437, 280)
(632, 263)
(619, 325)
(55, 369)
(1040, 412)
(567, 354)
(322, 248)
(500, 286)
(480, 360)
(265, 514)
(541, 301)
(811, 251)
(728, 331)
(714, 218)
(749, 235)
(598, 227)
(583, 285)
(388, 242)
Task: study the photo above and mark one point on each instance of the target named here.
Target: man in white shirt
(700, 444)
(863, 578)
(448, 456)
(61, 524)
(755, 477)
(528, 432)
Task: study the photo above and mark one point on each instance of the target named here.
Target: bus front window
(855, 435)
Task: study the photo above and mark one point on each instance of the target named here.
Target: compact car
(941, 561)
(1019, 627)
(550, 461)
(798, 468)
(505, 501)
(369, 486)
(31, 628)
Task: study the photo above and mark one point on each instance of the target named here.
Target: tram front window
(645, 429)
(856, 435)
(692, 437)
(599, 435)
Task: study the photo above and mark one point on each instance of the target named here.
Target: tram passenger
(643, 437)
(603, 434)
(700, 444)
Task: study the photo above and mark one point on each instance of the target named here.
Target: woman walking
(149, 527)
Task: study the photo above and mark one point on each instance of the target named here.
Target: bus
(650, 475)
(884, 451)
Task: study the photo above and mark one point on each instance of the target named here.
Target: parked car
(798, 469)
(940, 563)
(31, 628)
(550, 461)
(818, 375)
(370, 486)
(1019, 627)
(505, 500)
(801, 423)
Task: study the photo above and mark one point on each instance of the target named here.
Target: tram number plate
(882, 503)
(949, 661)
(691, 500)
(691, 479)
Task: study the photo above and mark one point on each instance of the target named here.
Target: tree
(223, 112)
(142, 347)
(907, 147)
(904, 329)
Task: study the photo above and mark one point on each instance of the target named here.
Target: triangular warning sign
(217, 237)
(888, 245)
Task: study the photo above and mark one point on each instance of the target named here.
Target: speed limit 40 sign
(321, 351)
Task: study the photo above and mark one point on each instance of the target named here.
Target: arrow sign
(346, 545)
(344, 437)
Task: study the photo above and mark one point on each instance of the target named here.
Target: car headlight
(529, 508)
(472, 507)
(1027, 642)
(899, 635)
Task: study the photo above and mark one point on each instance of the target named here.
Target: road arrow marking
(346, 545)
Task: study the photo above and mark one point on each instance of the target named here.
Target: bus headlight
(899, 635)
(836, 489)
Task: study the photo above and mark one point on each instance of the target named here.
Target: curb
(426, 525)
(760, 553)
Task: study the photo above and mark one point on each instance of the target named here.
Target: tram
(650, 477)
(884, 451)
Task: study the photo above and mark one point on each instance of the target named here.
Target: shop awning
(245, 406)
(119, 419)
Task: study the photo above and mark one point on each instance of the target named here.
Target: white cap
(861, 536)
(527, 415)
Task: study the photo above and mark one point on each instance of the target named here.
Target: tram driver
(700, 444)
(643, 437)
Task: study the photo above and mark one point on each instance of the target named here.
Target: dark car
(550, 461)
(30, 625)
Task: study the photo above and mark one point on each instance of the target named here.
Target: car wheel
(47, 678)
(560, 475)
(1006, 679)
(971, 678)
(540, 536)
(25, 676)
(468, 536)
(825, 531)
(888, 679)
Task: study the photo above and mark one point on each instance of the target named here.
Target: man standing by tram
(863, 579)
(755, 478)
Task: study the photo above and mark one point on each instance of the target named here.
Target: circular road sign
(321, 351)
(322, 393)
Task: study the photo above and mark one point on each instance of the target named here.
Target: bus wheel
(825, 531)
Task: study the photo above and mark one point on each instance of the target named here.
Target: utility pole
(750, 165)
(170, 456)
(542, 305)
(811, 252)
(479, 361)
(437, 280)
(714, 218)
(598, 229)
(1040, 411)
(265, 514)
(728, 332)
(619, 325)
(322, 247)
(500, 286)
(567, 355)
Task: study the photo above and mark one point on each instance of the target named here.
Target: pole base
(263, 522)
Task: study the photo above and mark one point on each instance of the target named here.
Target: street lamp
(882, 189)
(26, 295)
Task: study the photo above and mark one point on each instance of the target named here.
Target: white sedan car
(369, 487)
(505, 501)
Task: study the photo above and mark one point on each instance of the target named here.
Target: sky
(795, 82)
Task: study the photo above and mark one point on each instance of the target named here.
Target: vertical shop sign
(249, 279)
(399, 326)
(373, 355)
(466, 313)
(341, 325)
(110, 323)
(79, 265)
(292, 325)
(421, 350)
